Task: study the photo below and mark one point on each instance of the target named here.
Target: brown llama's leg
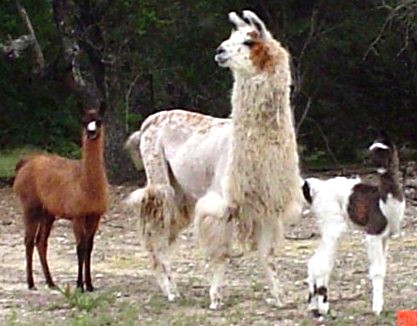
(91, 226)
(31, 228)
(42, 246)
(81, 244)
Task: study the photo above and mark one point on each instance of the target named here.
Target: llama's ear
(102, 108)
(236, 20)
(256, 23)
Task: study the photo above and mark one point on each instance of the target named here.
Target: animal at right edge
(340, 202)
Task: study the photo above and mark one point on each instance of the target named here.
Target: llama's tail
(132, 144)
(21, 163)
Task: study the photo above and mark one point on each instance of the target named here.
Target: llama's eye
(249, 43)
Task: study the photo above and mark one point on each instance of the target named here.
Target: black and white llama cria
(340, 202)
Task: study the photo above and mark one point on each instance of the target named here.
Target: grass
(85, 301)
(9, 158)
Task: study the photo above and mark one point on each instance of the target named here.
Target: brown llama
(51, 187)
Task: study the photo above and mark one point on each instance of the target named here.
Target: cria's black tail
(307, 192)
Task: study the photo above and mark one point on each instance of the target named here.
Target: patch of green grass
(12, 318)
(126, 314)
(85, 301)
(158, 304)
(9, 158)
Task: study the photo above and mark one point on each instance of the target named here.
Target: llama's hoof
(316, 313)
(216, 305)
(173, 296)
(32, 287)
(274, 302)
(52, 286)
(377, 311)
(89, 288)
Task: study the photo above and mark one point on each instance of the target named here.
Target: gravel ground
(127, 294)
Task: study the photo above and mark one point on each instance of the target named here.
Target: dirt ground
(127, 294)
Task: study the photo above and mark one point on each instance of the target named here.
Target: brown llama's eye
(249, 43)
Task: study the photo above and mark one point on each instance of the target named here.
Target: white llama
(340, 202)
(221, 170)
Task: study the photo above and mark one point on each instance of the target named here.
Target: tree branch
(37, 55)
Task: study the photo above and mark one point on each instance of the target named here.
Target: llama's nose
(220, 50)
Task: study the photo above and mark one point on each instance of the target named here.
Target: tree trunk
(119, 165)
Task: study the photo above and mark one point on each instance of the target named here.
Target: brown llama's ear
(102, 109)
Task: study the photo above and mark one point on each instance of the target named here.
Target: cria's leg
(214, 231)
(157, 213)
(267, 236)
(321, 265)
(377, 253)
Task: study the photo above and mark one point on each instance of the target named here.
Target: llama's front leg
(214, 232)
(81, 246)
(91, 226)
(267, 235)
(320, 266)
(377, 253)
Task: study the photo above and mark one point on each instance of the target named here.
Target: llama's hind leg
(42, 247)
(267, 235)
(157, 212)
(214, 231)
(321, 264)
(31, 228)
(376, 246)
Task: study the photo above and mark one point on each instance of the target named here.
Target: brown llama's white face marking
(244, 52)
(92, 124)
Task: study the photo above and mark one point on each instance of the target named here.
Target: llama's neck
(94, 179)
(261, 104)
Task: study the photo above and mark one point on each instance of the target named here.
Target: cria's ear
(236, 20)
(256, 23)
(384, 137)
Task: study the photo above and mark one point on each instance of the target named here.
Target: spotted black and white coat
(341, 202)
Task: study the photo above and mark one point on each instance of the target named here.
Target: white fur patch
(381, 170)
(378, 145)
(92, 126)
(393, 210)
(134, 198)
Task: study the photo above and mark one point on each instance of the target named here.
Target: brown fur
(51, 187)
(261, 55)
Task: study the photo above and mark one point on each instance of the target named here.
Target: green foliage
(84, 301)
(160, 55)
(9, 158)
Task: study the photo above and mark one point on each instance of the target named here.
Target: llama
(216, 171)
(340, 202)
(51, 187)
